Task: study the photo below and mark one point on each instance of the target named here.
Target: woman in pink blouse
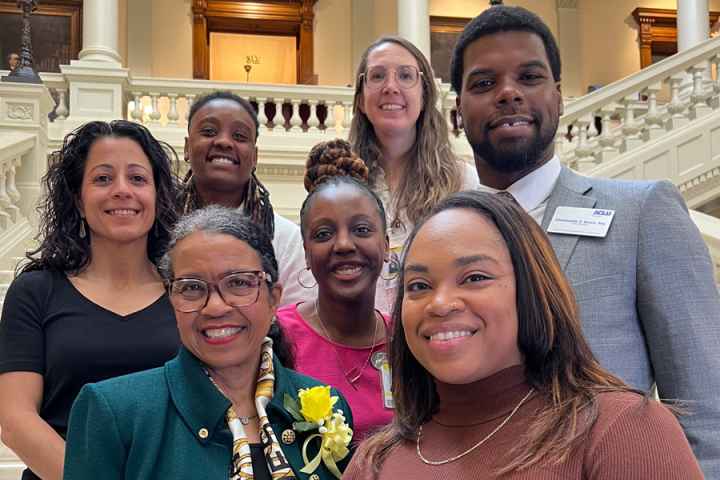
(339, 338)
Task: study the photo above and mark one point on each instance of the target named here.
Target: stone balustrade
(291, 108)
(13, 147)
(631, 112)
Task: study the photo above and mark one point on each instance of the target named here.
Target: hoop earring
(300, 282)
(82, 233)
(393, 266)
(390, 278)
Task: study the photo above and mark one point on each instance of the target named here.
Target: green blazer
(169, 422)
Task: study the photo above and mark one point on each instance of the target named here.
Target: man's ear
(386, 256)
(561, 106)
(458, 113)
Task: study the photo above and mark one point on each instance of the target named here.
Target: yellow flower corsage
(316, 412)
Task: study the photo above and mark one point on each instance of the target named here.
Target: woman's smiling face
(221, 146)
(220, 335)
(345, 244)
(459, 309)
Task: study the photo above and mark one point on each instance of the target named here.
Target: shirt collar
(534, 188)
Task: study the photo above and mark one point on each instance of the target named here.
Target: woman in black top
(89, 304)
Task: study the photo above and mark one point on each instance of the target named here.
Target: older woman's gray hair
(227, 221)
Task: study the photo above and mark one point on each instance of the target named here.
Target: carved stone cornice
(701, 184)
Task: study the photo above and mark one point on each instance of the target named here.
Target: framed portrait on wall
(56, 32)
(444, 32)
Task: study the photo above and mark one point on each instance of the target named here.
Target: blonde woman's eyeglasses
(376, 77)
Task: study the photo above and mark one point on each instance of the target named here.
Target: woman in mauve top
(493, 376)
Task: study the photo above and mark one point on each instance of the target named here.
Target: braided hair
(333, 163)
(332, 159)
(256, 204)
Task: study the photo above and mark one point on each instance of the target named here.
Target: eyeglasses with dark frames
(237, 289)
(406, 76)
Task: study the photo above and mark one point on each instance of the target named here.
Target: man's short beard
(516, 156)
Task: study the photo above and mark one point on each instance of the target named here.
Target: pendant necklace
(350, 375)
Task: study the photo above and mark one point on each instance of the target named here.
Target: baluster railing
(676, 107)
(173, 116)
(295, 120)
(262, 116)
(699, 106)
(347, 115)
(313, 122)
(137, 111)
(12, 151)
(62, 107)
(654, 119)
(583, 150)
(631, 127)
(606, 139)
(330, 121)
(155, 114)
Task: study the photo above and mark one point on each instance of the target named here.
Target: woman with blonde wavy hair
(402, 137)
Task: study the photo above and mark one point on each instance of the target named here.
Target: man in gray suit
(648, 301)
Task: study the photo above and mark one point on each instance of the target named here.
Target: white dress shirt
(533, 190)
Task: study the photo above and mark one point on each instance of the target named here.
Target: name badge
(380, 362)
(589, 222)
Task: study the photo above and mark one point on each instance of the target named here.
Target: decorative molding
(701, 184)
(658, 31)
(20, 111)
(281, 171)
(291, 18)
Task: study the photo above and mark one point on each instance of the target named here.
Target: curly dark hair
(61, 247)
(331, 159)
(227, 221)
(502, 18)
(257, 198)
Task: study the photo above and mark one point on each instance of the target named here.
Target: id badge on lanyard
(380, 362)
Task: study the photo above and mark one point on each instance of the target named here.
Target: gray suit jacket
(647, 296)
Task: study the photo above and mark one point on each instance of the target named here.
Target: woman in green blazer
(227, 407)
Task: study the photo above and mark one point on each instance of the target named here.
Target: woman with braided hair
(339, 337)
(221, 148)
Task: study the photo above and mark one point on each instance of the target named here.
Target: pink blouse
(329, 362)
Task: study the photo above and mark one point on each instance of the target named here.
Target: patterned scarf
(274, 456)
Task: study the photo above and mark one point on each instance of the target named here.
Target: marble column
(414, 23)
(693, 23)
(100, 31)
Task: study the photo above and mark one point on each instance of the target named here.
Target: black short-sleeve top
(50, 328)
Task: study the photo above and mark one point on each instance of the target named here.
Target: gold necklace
(243, 419)
(348, 375)
(487, 437)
